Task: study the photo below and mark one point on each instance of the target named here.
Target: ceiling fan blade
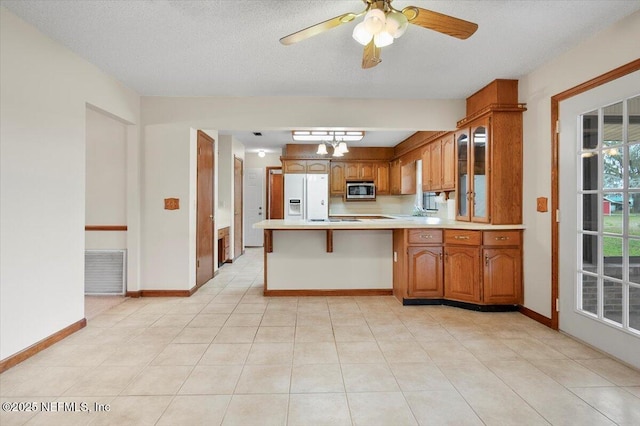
(371, 56)
(439, 22)
(318, 28)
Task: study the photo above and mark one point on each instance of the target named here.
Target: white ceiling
(231, 48)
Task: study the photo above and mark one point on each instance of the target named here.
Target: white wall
(603, 52)
(225, 182)
(237, 151)
(44, 91)
(106, 180)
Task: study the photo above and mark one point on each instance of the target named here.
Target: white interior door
(598, 290)
(253, 208)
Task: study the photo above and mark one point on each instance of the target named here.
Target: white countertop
(389, 222)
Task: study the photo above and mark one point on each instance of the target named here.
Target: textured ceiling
(231, 48)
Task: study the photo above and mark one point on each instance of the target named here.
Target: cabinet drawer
(501, 238)
(425, 236)
(462, 237)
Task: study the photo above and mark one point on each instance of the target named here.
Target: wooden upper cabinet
(337, 178)
(426, 169)
(489, 168)
(438, 165)
(367, 171)
(294, 166)
(318, 166)
(408, 178)
(448, 163)
(394, 177)
(382, 179)
(305, 166)
(351, 170)
(360, 171)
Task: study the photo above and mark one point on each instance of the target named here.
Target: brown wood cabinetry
(305, 166)
(394, 177)
(502, 257)
(402, 177)
(378, 172)
(462, 265)
(382, 179)
(418, 263)
(448, 163)
(489, 167)
(407, 178)
(224, 245)
(478, 267)
(438, 165)
(360, 171)
(337, 178)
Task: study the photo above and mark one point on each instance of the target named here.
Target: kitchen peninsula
(418, 259)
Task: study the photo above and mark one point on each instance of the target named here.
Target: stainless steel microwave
(364, 190)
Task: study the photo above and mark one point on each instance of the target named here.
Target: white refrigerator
(306, 196)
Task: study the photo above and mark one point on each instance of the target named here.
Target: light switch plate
(171, 203)
(542, 204)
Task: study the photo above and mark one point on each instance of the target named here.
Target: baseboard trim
(161, 293)
(43, 344)
(311, 293)
(458, 304)
(536, 316)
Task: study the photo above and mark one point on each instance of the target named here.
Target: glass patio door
(600, 217)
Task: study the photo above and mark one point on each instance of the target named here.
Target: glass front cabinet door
(480, 168)
(472, 150)
(462, 176)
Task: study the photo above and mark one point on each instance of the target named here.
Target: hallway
(227, 355)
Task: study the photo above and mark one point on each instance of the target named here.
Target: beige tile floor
(229, 356)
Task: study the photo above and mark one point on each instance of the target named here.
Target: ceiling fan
(382, 24)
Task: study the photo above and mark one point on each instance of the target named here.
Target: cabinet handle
(486, 260)
(461, 237)
(426, 236)
(502, 238)
(440, 255)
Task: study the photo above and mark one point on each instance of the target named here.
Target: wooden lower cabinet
(478, 267)
(425, 272)
(502, 275)
(462, 274)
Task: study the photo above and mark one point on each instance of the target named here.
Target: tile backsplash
(384, 204)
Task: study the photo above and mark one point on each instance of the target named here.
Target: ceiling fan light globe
(397, 24)
(382, 39)
(374, 21)
(337, 153)
(342, 147)
(361, 35)
(322, 149)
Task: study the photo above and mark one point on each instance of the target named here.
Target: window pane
(634, 307)
(634, 213)
(634, 261)
(590, 253)
(634, 166)
(590, 161)
(612, 251)
(633, 107)
(480, 149)
(590, 130)
(612, 168)
(590, 212)
(590, 294)
(612, 132)
(612, 212)
(612, 308)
